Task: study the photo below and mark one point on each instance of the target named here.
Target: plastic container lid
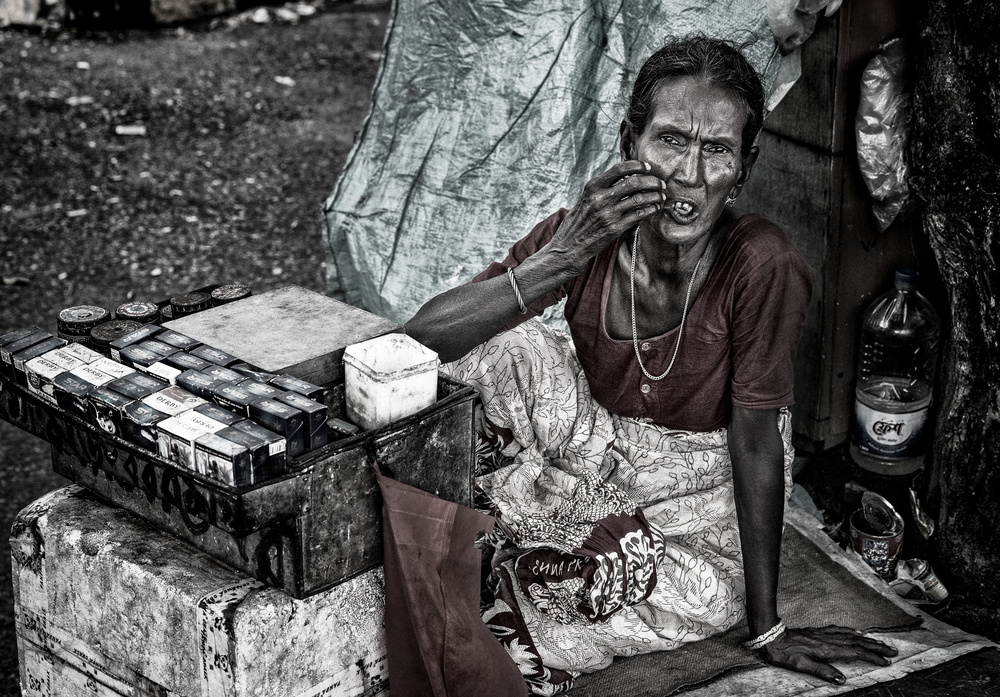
(81, 319)
(390, 357)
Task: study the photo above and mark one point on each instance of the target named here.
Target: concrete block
(289, 330)
(105, 600)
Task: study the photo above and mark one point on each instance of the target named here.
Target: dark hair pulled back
(718, 61)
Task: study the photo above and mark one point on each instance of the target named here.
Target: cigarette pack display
(106, 408)
(343, 428)
(250, 371)
(18, 334)
(259, 388)
(139, 424)
(185, 361)
(34, 351)
(137, 357)
(223, 460)
(275, 457)
(19, 343)
(177, 340)
(84, 353)
(219, 414)
(175, 441)
(64, 359)
(282, 419)
(214, 355)
(221, 373)
(147, 331)
(315, 418)
(173, 400)
(158, 347)
(257, 448)
(136, 385)
(289, 383)
(164, 372)
(98, 378)
(112, 368)
(198, 383)
(71, 393)
(234, 397)
(40, 373)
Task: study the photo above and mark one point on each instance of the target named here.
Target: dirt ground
(247, 128)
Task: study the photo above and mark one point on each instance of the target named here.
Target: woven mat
(813, 591)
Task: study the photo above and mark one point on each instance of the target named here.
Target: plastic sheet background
(486, 116)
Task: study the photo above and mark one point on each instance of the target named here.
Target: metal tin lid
(880, 514)
(103, 334)
(81, 318)
(190, 303)
(229, 293)
(139, 311)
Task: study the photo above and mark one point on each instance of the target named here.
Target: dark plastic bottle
(899, 346)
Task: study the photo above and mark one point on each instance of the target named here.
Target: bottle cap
(140, 311)
(230, 293)
(189, 303)
(906, 279)
(81, 319)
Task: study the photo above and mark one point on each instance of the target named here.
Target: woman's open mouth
(683, 212)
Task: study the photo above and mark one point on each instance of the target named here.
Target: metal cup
(880, 550)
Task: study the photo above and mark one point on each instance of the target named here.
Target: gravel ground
(247, 126)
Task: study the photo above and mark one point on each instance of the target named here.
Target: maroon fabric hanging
(438, 646)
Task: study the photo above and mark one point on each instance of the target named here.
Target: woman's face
(692, 140)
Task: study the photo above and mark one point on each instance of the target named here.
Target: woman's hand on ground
(810, 650)
(612, 203)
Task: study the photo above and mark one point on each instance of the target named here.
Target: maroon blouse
(739, 339)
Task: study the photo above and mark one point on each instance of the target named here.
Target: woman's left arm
(757, 453)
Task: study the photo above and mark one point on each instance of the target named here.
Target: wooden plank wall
(807, 180)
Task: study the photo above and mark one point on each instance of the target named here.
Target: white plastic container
(388, 378)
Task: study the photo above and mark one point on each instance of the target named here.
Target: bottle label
(889, 435)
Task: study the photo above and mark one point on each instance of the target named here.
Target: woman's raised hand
(612, 203)
(810, 650)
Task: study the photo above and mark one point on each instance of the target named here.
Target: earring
(730, 200)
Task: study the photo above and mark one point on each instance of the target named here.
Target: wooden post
(955, 155)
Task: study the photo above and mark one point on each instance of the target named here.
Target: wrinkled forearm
(758, 474)
(456, 321)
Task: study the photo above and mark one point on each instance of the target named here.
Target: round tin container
(876, 532)
(189, 303)
(79, 320)
(103, 334)
(138, 311)
(230, 293)
(74, 323)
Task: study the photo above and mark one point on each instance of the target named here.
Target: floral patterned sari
(614, 536)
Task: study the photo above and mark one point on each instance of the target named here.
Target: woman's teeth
(683, 207)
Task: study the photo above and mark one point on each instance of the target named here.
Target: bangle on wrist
(767, 637)
(517, 291)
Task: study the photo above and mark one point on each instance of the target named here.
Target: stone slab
(289, 330)
(102, 598)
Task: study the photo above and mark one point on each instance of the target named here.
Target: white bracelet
(517, 291)
(767, 637)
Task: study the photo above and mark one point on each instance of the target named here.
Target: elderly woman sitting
(640, 472)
